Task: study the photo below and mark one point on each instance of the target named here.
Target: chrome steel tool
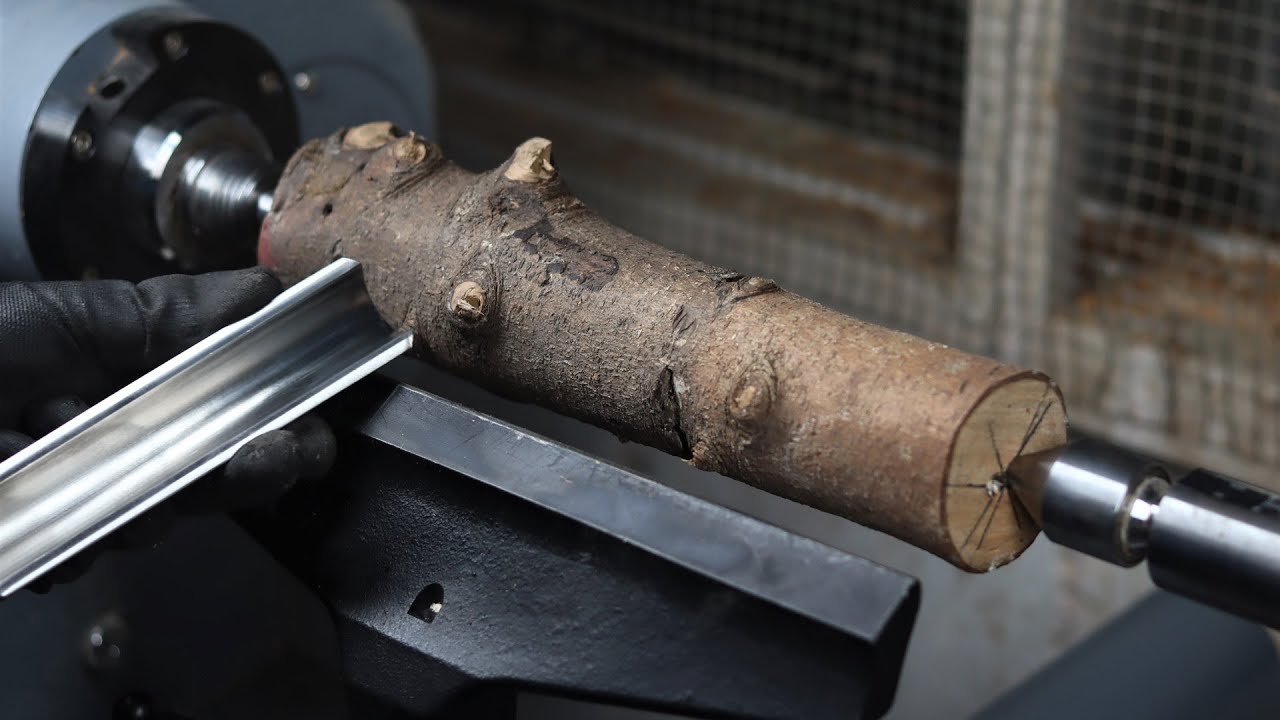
(1205, 536)
(169, 427)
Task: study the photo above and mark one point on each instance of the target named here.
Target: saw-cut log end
(531, 162)
(987, 524)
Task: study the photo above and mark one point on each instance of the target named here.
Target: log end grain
(986, 523)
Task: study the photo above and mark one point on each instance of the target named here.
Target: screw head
(304, 82)
(82, 144)
(104, 641)
(175, 46)
(269, 82)
(134, 706)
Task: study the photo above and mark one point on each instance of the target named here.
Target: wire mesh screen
(1089, 188)
(816, 143)
(1177, 251)
(886, 70)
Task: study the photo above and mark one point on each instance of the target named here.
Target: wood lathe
(449, 549)
(508, 279)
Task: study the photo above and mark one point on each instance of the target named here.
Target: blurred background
(1087, 188)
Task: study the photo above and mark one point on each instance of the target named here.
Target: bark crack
(564, 256)
(669, 401)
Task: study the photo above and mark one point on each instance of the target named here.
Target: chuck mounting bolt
(1207, 537)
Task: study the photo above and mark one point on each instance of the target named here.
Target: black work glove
(66, 345)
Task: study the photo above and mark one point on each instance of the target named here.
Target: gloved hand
(66, 345)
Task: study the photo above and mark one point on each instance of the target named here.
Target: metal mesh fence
(887, 70)
(1087, 187)
(1177, 264)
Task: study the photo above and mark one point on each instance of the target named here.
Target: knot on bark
(370, 136)
(752, 398)
(531, 162)
(411, 150)
(733, 287)
(468, 303)
(472, 300)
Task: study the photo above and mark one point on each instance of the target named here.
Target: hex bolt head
(304, 82)
(82, 144)
(175, 46)
(104, 643)
(269, 82)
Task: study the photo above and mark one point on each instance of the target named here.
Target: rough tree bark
(508, 279)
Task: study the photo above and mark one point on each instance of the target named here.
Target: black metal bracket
(462, 556)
